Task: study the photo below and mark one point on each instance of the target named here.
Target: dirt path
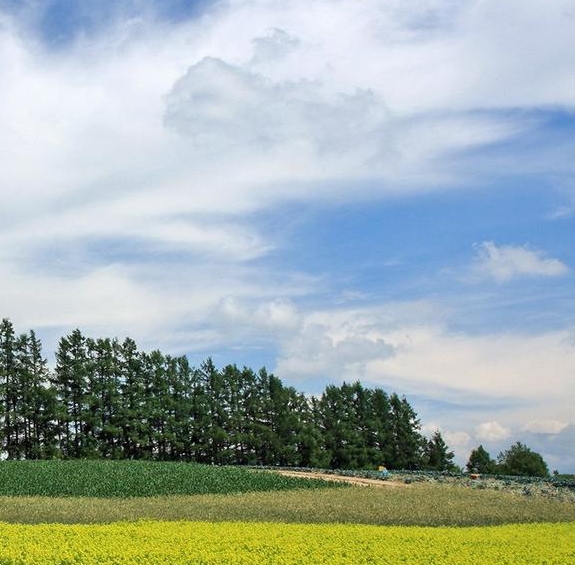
(342, 479)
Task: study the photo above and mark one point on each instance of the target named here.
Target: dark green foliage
(406, 441)
(103, 479)
(365, 428)
(107, 400)
(480, 461)
(27, 402)
(520, 460)
(436, 454)
(9, 389)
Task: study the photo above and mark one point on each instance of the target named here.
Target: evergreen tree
(243, 413)
(436, 454)
(216, 435)
(407, 441)
(156, 391)
(70, 382)
(9, 389)
(132, 399)
(103, 414)
(178, 408)
(254, 430)
(106, 399)
(266, 440)
(480, 461)
(311, 448)
(379, 437)
(347, 425)
(36, 400)
(285, 422)
(330, 409)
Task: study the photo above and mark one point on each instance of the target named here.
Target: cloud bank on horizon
(382, 191)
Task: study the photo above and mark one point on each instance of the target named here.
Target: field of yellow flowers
(207, 543)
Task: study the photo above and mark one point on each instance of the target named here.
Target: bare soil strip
(342, 479)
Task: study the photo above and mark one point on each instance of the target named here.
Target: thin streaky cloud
(506, 262)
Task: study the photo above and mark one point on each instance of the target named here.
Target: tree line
(517, 460)
(106, 399)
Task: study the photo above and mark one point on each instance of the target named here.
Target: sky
(381, 191)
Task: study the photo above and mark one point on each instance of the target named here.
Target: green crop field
(89, 512)
(109, 479)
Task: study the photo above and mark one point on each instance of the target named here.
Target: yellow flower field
(205, 543)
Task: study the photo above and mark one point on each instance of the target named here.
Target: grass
(416, 505)
(123, 479)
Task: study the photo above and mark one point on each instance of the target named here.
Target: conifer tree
(36, 400)
(132, 405)
(106, 399)
(407, 441)
(436, 454)
(480, 461)
(217, 438)
(379, 429)
(70, 381)
(8, 389)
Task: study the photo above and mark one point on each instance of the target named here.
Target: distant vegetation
(108, 400)
(517, 460)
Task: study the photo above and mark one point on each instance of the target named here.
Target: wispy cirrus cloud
(166, 137)
(506, 262)
(550, 426)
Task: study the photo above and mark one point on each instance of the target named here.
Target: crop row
(559, 482)
(205, 543)
(136, 479)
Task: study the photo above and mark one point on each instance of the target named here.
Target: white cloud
(506, 262)
(404, 347)
(270, 102)
(430, 359)
(98, 124)
(492, 431)
(488, 388)
(458, 440)
(545, 426)
(429, 428)
(222, 108)
(333, 343)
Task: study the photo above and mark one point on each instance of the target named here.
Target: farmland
(124, 479)
(212, 515)
(161, 543)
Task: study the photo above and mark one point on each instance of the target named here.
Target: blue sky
(382, 191)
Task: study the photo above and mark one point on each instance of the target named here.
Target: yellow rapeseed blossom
(251, 543)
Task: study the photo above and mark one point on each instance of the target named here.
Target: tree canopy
(517, 460)
(480, 461)
(437, 455)
(106, 399)
(520, 460)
